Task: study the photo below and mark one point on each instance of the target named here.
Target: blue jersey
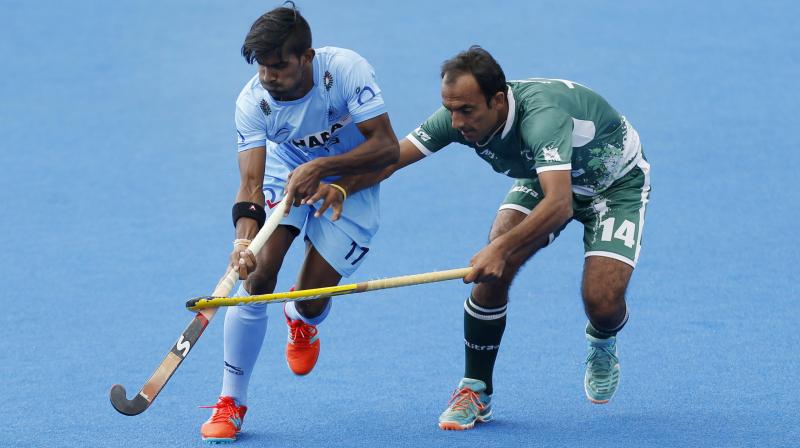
(320, 124)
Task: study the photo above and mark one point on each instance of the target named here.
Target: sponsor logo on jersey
(327, 80)
(551, 154)
(486, 154)
(264, 107)
(364, 94)
(525, 190)
(321, 138)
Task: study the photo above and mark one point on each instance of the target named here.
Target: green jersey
(552, 124)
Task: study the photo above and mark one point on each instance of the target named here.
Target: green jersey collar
(512, 109)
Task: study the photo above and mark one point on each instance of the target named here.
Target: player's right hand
(331, 198)
(243, 261)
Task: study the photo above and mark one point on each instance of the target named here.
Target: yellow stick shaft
(308, 294)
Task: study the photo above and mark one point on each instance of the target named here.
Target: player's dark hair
(481, 65)
(281, 29)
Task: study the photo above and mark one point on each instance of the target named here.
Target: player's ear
(498, 100)
(308, 55)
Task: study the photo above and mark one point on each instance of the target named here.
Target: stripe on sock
(484, 313)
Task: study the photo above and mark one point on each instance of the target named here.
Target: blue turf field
(118, 158)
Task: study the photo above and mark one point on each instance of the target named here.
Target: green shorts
(612, 221)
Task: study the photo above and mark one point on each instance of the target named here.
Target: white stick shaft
(226, 284)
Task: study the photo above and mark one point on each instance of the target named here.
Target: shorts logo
(265, 107)
(241, 137)
(551, 154)
(271, 202)
(525, 190)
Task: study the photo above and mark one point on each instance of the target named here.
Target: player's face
(283, 75)
(469, 112)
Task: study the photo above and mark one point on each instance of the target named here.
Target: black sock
(603, 333)
(483, 330)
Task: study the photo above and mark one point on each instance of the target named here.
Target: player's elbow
(390, 154)
(563, 207)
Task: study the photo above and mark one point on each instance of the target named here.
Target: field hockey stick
(201, 303)
(190, 335)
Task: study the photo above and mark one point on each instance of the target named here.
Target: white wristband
(241, 242)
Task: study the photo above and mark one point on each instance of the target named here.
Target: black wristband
(249, 210)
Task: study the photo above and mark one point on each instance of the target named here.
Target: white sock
(291, 311)
(245, 327)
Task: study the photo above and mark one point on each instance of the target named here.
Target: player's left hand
(303, 183)
(331, 198)
(487, 265)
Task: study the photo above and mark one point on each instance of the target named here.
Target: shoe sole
(453, 426)
(217, 441)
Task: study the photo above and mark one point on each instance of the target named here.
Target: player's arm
(249, 199)
(378, 150)
(333, 198)
(431, 136)
(549, 215)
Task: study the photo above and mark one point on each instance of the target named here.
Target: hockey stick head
(119, 400)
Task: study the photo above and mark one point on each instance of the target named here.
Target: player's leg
(244, 330)
(331, 253)
(245, 326)
(613, 227)
(485, 316)
(303, 344)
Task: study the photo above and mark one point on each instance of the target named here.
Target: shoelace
(298, 334)
(227, 409)
(603, 357)
(463, 397)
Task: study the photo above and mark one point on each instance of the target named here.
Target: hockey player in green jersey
(573, 157)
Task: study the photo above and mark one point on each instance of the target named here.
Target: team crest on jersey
(551, 154)
(327, 80)
(331, 113)
(265, 107)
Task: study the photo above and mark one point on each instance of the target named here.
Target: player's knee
(603, 304)
(262, 281)
(491, 294)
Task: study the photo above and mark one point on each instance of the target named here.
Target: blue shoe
(602, 369)
(469, 404)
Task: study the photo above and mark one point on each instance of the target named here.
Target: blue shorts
(344, 244)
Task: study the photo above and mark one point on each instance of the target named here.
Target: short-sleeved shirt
(320, 124)
(552, 124)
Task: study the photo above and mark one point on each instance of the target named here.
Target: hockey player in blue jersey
(308, 117)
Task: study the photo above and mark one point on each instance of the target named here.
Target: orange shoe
(225, 422)
(302, 347)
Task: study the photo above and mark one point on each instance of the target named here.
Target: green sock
(483, 330)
